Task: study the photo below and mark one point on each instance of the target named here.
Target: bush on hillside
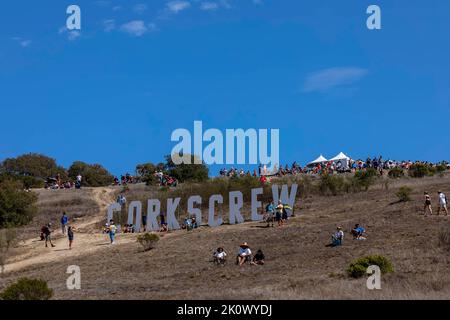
(94, 175)
(358, 268)
(7, 239)
(17, 207)
(420, 170)
(403, 193)
(32, 169)
(396, 172)
(331, 184)
(148, 240)
(27, 289)
(365, 178)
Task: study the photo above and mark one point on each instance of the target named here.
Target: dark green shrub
(396, 172)
(94, 175)
(359, 267)
(27, 289)
(420, 170)
(17, 207)
(148, 240)
(403, 193)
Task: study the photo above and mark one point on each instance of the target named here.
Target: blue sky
(114, 92)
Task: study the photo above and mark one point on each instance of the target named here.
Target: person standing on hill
(112, 229)
(64, 222)
(48, 234)
(279, 213)
(270, 210)
(427, 204)
(70, 235)
(442, 203)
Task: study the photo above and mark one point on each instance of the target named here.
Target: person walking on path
(112, 229)
(48, 235)
(64, 222)
(442, 203)
(427, 204)
(70, 235)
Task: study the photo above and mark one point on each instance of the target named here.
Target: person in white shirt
(220, 256)
(442, 203)
(244, 255)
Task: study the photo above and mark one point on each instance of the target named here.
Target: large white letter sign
(195, 211)
(256, 204)
(235, 207)
(172, 205)
(153, 210)
(286, 197)
(138, 206)
(211, 220)
(111, 209)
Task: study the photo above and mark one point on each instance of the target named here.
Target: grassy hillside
(298, 266)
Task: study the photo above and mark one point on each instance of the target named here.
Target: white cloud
(135, 28)
(109, 25)
(209, 6)
(326, 79)
(178, 5)
(22, 42)
(258, 2)
(117, 8)
(140, 8)
(71, 34)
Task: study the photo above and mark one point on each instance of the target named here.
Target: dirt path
(87, 238)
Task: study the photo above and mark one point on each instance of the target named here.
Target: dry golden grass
(298, 265)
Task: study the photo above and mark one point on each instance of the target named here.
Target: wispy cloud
(117, 8)
(137, 28)
(327, 79)
(72, 35)
(258, 2)
(209, 6)
(140, 8)
(22, 42)
(109, 25)
(178, 5)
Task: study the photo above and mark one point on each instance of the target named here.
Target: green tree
(146, 173)
(94, 175)
(32, 169)
(17, 207)
(187, 172)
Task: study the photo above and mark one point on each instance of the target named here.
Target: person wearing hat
(244, 255)
(337, 237)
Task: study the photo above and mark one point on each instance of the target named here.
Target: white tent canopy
(340, 156)
(320, 159)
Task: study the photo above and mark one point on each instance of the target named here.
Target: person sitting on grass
(220, 256)
(163, 228)
(358, 232)
(244, 255)
(337, 237)
(258, 259)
